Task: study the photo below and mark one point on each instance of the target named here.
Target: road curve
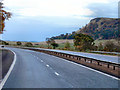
(39, 70)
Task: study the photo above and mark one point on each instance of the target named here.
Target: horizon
(41, 19)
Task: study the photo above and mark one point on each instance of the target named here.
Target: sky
(35, 20)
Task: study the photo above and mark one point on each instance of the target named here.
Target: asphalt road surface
(39, 70)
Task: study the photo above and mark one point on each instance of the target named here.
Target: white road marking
(89, 69)
(47, 65)
(41, 60)
(57, 73)
(9, 71)
(93, 70)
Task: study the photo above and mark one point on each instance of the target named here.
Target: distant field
(61, 43)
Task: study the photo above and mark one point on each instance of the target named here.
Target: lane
(77, 75)
(114, 59)
(29, 72)
(39, 70)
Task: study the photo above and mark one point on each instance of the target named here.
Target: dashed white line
(57, 73)
(47, 65)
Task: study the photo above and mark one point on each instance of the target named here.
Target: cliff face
(101, 28)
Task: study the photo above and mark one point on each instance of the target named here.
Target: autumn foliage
(4, 15)
(83, 42)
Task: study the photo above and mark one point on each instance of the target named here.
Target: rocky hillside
(101, 28)
(98, 28)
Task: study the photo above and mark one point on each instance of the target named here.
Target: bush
(54, 45)
(28, 44)
(67, 45)
(5, 43)
(95, 48)
(18, 43)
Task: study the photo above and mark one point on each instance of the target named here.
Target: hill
(98, 28)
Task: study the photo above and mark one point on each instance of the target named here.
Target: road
(39, 70)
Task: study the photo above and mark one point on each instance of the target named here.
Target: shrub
(5, 43)
(28, 44)
(18, 43)
(67, 45)
(54, 45)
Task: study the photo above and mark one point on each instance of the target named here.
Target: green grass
(63, 44)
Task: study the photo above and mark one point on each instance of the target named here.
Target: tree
(50, 41)
(4, 15)
(18, 43)
(54, 45)
(67, 45)
(83, 42)
(28, 44)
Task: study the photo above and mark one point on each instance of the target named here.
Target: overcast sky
(34, 20)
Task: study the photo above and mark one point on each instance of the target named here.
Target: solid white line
(93, 70)
(47, 65)
(56, 73)
(9, 71)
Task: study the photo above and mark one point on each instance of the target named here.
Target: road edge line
(89, 68)
(92, 69)
(9, 71)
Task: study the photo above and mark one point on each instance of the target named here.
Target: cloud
(104, 9)
(36, 17)
(51, 7)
